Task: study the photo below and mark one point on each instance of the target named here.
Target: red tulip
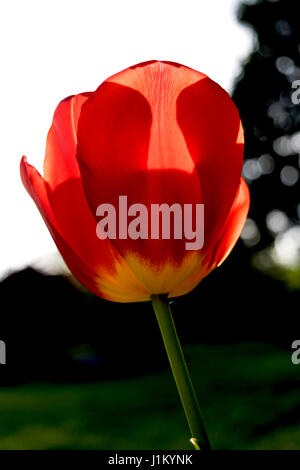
(157, 132)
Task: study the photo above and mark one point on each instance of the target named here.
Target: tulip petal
(60, 163)
(63, 183)
(65, 191)
(128, 128)
(214, 136)
(234, 223)
(160, 133)
(129, 144)
(113, 140)
(227, 239)
(109, 276)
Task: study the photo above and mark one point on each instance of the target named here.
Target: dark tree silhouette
(263, 94)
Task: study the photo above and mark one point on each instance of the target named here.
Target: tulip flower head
(142, 189)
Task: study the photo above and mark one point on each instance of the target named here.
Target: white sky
(52, 49)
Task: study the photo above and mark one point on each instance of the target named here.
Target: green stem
(180, 371)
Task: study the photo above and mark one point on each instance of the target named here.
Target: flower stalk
(180, 371)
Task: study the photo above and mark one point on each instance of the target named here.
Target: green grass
(249, 394)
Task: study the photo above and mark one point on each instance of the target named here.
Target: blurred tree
(263, 95)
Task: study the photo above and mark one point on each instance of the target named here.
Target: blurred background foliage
(83, 373)
(263, 95)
